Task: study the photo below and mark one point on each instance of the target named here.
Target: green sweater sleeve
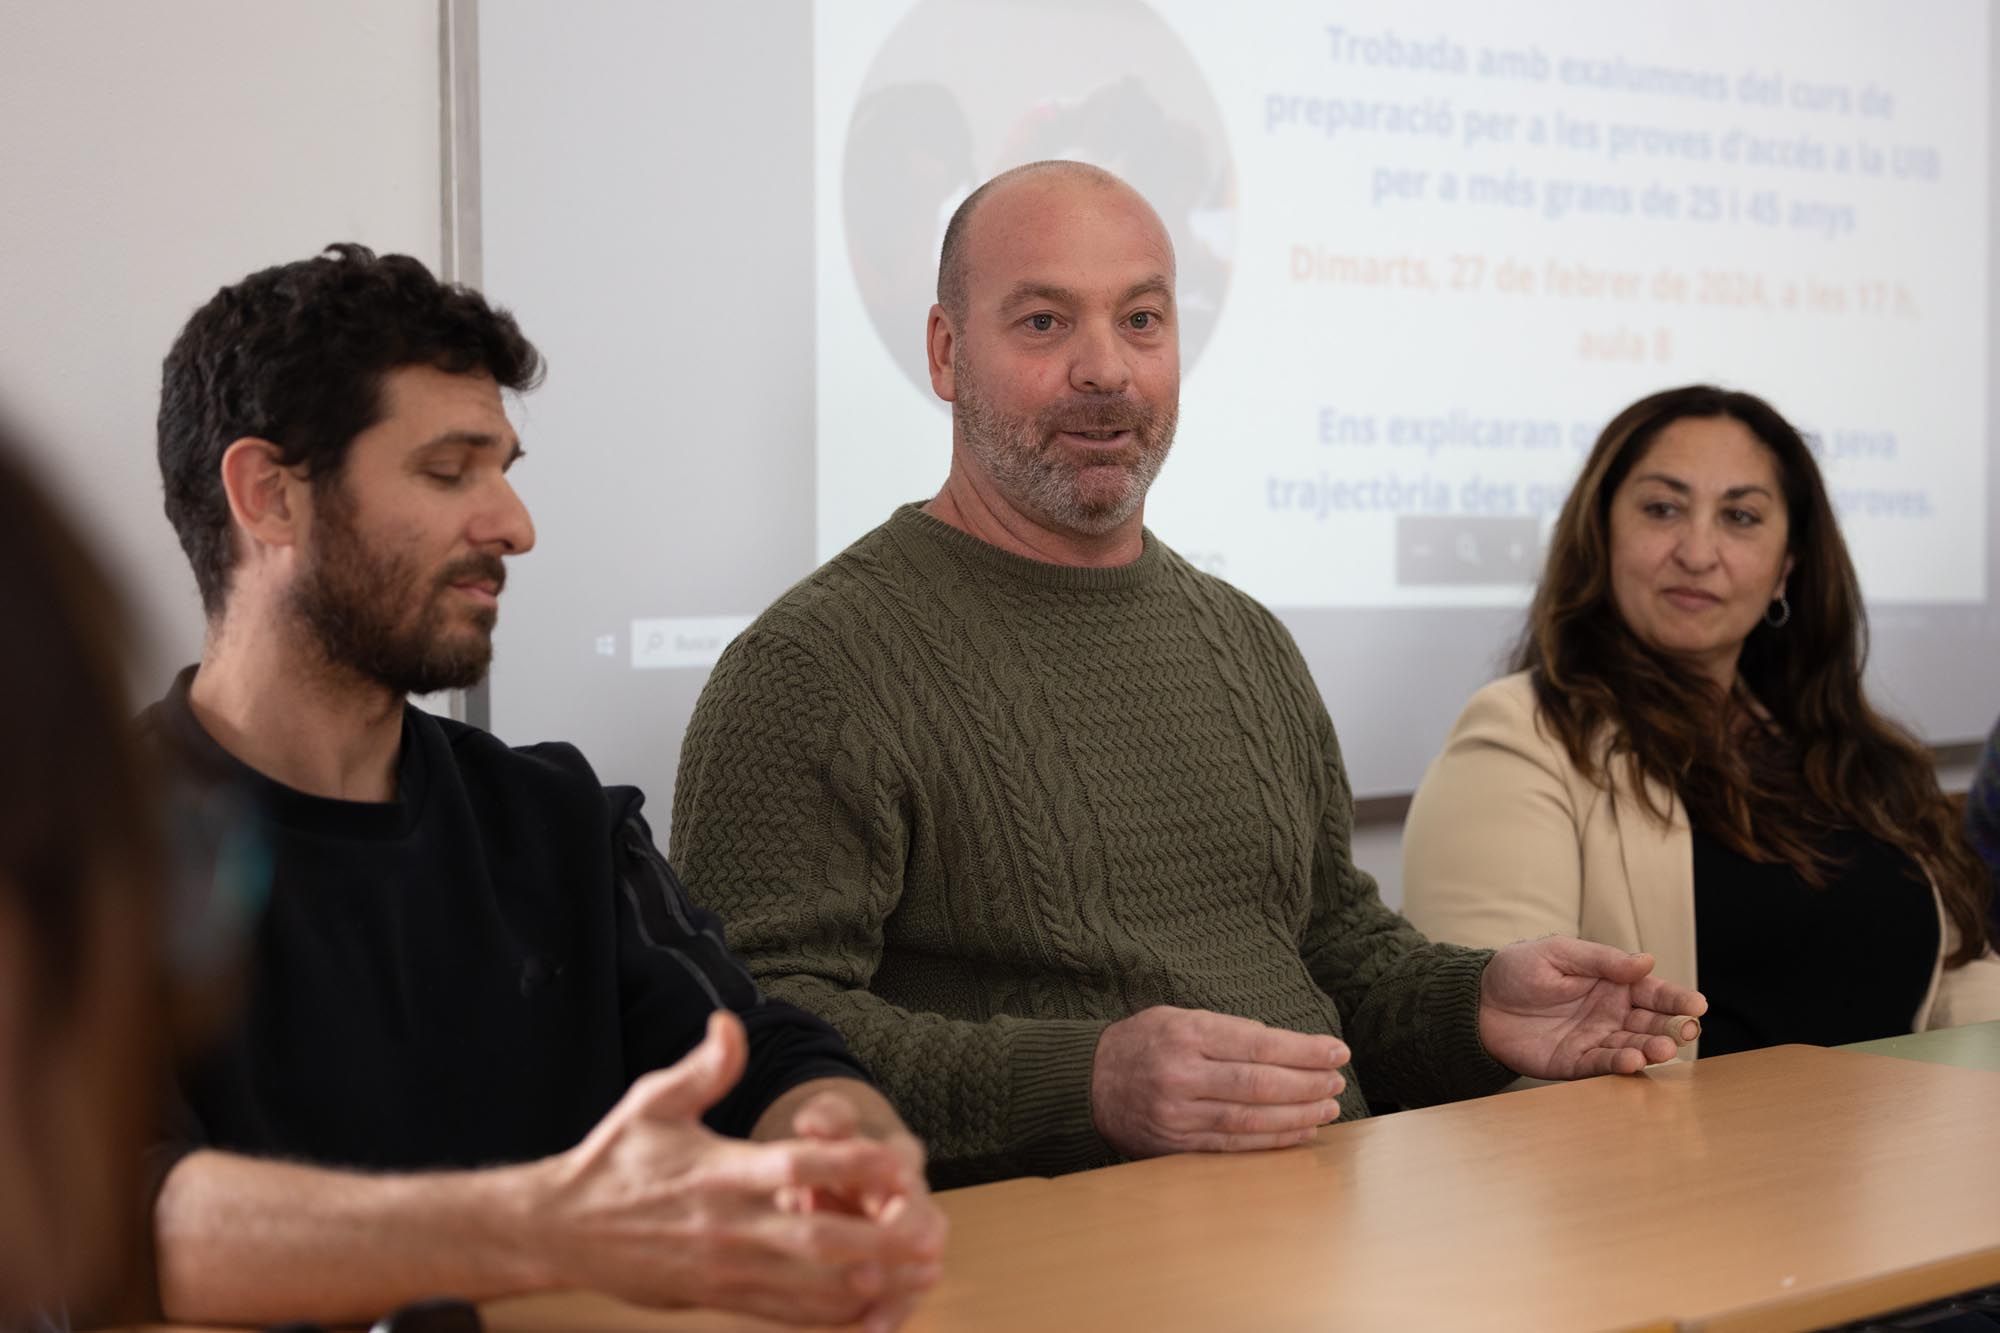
(791, 822)
(1410, 1008)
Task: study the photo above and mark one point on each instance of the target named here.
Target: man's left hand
(1565, 1008)
(908, 1210)
(830, 1116)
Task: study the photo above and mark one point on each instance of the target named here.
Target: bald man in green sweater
(1054, 826)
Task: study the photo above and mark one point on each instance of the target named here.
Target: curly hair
(296, 355)
(1769, 787)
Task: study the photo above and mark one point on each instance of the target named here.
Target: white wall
(151, 153)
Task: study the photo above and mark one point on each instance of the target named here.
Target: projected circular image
(964, 89)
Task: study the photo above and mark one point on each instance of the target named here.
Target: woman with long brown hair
(1684, 762)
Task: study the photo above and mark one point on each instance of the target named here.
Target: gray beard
(1030, 469)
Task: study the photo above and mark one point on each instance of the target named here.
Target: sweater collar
(919, 531)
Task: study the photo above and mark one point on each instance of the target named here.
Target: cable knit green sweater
(972, 808)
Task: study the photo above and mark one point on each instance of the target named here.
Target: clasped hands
(1185, 1080)
(652, 1207)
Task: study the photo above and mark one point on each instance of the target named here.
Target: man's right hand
(655, 1208)
(1187, 1080)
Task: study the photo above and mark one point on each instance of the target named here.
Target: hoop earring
(1784, 613)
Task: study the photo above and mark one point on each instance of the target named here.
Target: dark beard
(358, 605)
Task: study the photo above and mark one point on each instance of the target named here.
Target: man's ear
(266, 498)
(941, 349)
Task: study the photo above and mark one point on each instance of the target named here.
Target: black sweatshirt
(470, 974)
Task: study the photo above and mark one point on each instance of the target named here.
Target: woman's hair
(81, 862)
(1610, 698)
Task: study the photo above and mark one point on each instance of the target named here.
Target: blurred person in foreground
(81, 865)
(1685, 762)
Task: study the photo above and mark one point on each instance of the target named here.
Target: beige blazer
(1506, 841)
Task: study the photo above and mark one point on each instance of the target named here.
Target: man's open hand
(1565, 1008)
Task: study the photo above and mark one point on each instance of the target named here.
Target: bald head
(1056, 341)
(954, 258)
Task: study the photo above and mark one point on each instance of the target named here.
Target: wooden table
(1773, 1190)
